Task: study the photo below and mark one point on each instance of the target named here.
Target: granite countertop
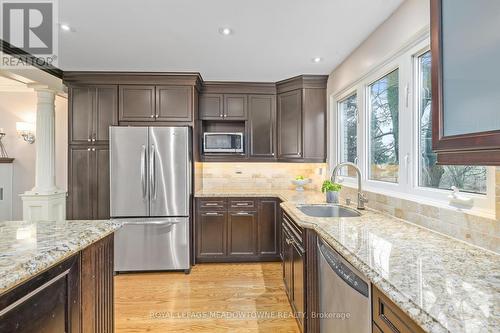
(28, 248)
(443, 284)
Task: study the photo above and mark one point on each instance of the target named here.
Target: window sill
(484, 213)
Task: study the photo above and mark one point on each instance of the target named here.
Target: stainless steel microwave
(217, 142)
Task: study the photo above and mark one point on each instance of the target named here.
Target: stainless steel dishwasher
(344, 294)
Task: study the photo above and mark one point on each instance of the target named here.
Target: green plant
(299, 178)
(329, 186)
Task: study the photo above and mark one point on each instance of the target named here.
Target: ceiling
(272, 40)
(10, 85)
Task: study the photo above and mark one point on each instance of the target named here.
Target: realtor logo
(30, 27)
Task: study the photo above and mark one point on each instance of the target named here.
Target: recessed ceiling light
(65, 27)
(317, 59)
(225, 31)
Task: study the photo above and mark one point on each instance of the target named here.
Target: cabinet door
(298, 281)
(80, 185)
(242, 231)
(268, 228)
(101, 183)
(174, 103)
(211, 106)
(80, 114)
(105, 112)
(137, 103)
(211, 234)
(290, 125)
(287, 263)
(262, 121)
(235, 107)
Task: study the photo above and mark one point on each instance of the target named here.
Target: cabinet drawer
(388, 317)
(241, 204)
(211, 204)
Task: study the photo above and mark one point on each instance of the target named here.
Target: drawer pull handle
(242, 213)
(212, 214)
(242, 204)
(211, 204)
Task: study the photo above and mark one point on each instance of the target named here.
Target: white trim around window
(408, 185)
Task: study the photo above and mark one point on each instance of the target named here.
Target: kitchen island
(56, 276)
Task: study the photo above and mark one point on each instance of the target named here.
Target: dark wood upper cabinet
(302, 118)
(262, 126)
(211, 106)
(92, 110)
(235, 107)
(465, 80)
(174, 103)
(137, 103)
(223, 107)
(242, 233)
(80, 115)
(290, 125)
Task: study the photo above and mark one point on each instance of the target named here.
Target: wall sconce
(26, 131)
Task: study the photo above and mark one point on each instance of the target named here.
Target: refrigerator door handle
(152, 172)
(143, 172)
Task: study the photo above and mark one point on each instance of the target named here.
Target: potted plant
(332, 191)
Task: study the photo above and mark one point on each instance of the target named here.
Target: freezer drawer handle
(151, 223)
(143, 172)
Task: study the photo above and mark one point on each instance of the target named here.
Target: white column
(45, 201)
(45, 178)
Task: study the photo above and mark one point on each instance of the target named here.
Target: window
(384, 128)
(348, 132)
(466, 178)
(384, 125)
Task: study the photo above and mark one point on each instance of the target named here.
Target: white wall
(21, 106)
(409, 19)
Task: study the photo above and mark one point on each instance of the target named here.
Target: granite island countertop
(28, 248)
(443, 284)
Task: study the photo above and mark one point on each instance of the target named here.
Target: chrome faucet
(361, 196)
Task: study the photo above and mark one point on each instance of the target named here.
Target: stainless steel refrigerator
(150, 192)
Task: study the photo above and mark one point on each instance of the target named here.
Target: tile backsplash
(477, 230)
(261, 175)
(480, 231)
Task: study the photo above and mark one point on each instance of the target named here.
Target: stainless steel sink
(328, 211)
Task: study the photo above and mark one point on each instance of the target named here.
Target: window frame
(406, 61)
(341, 98)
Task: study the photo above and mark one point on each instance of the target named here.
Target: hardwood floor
(246, 297)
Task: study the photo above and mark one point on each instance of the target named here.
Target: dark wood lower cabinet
(97, 287)
(48, 303)
(211, 228)
(388, 318)
(242, 233)
(237, 229)
(74, 296)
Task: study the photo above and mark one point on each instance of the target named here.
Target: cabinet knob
(89, 139)
(88, 149)
(93, 139)
(156, 116)
(152, 116)
(93, 149)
